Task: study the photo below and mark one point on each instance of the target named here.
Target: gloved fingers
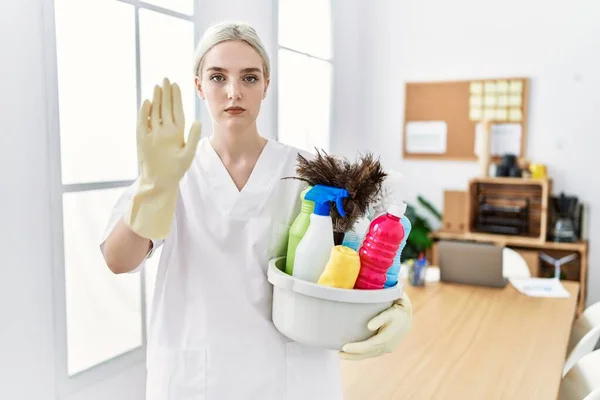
(144, 113)
(379, 320)
(405, 303)
(374, 342)
(192, 143)
(178, 116)
(155, 110)
(360, 356)
(166, 106)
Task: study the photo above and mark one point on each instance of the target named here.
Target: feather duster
(362, 179)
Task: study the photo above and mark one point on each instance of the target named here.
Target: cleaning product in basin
(314, 250)
(379, 248)
(341, 269)
(297, 230)
(394, 271)
(354, 237)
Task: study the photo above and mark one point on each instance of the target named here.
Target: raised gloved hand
(391, 326)
(164, 157)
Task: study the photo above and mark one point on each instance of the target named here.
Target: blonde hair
(226, 31)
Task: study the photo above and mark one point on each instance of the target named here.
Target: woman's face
(233, 84)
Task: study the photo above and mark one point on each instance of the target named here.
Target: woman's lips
(235, 110)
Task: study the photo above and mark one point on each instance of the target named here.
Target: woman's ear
(199, 88)
(266, 87)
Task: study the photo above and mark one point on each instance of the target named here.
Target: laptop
(471, 263)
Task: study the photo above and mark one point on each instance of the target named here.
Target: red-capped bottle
(379, 248)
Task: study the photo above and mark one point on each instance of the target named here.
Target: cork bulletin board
(441, 118)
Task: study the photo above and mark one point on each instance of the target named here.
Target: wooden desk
(471, 343)
(524, 243)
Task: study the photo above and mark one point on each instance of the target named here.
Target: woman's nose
(234, 90)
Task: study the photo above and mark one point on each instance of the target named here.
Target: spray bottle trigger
(339, 202)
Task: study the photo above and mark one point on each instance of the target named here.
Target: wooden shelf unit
(530, 245)
(511, 192)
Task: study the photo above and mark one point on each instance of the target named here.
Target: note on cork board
(440, 118)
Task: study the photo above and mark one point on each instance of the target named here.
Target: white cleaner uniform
(211, 336)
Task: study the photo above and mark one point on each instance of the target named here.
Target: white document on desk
(540, 287)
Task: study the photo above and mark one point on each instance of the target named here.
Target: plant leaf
(427, 205)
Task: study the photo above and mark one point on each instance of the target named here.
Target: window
(108, 55)
(304, 73)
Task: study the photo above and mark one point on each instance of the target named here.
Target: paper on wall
(506, 139)
(426, 137)
(476, 88)
(502, 86)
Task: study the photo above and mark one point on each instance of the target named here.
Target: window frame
(68, 385)
(329, 60)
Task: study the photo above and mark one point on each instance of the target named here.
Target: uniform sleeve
(117, 213)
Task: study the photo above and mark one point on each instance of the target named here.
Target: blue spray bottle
(394, 271)
(314, 250)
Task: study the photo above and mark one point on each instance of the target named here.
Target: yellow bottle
(342, 268)
(538, 171)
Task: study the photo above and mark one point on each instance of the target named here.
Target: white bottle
(314, 250)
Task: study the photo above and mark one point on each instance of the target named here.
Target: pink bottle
(379, 248)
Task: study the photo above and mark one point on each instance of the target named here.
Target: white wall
(553, 43)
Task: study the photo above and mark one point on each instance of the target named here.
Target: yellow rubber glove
(391, 326)
(342, 268)
(164, 157)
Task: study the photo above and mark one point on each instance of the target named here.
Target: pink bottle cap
(397, 210)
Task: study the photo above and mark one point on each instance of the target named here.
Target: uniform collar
(256, 189)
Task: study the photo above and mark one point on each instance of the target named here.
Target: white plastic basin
(323, 316)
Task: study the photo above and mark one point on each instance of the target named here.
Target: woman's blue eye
(217, 78)
(250, 78)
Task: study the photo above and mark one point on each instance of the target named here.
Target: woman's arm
(148, 208)
(124, 250)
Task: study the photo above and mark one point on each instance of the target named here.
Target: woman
(220, 209)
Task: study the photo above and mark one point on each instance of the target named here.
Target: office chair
(514, 265)
(584, 336)
(582, 379)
